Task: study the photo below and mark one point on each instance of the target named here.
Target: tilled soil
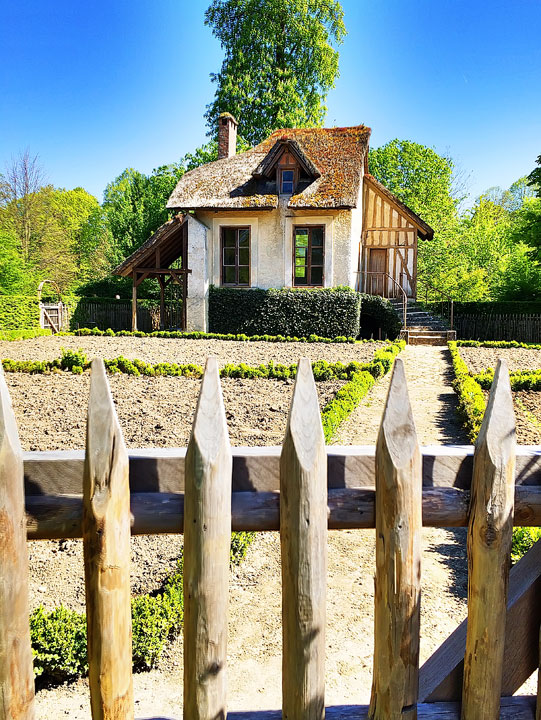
(154, 350)
(528, 417)
(479, 359)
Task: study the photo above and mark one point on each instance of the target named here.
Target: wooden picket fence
(303, 489)
(488, 326)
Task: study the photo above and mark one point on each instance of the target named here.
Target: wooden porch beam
(134, 303)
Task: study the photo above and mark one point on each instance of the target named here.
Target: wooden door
(377, 269)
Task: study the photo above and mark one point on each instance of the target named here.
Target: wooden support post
(106, 545)
(207, 541)
(303, 537)
(398, 558)
(162, 302)
(16, 673)
(134, 304)
(489, 553)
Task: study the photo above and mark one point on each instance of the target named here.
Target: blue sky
(94, 88)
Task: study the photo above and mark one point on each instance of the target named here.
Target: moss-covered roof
(337, 153)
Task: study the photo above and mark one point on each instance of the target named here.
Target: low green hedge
(519, 379)
(77, 362)
(328, 312)
(239, 337)
(498, 344)
(471, 400)
(24, 334)
(351, 394)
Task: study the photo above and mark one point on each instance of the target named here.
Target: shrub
(328, 312)
(377, 314)
(471, 399)
(58, 643)
(12, 335)
(19, 312)
(523, 539)
(75, 360)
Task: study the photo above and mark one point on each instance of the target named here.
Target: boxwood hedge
(327, 312)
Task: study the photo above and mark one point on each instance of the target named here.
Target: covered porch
(164, 257)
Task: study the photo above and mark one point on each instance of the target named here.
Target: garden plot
(527, 403)
(154, 350)
(478, 359)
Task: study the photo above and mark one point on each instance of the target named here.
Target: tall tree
(534, 178)
(135, 206)
(279, 62)
(419, 177)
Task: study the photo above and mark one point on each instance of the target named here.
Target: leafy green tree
(15, 277)
(279, 62)
(419, 177)
(534, 178)
(135, 206)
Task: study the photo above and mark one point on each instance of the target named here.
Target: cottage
(298, 210)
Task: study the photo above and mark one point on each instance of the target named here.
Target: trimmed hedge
(351, 394)
(519, 379)
(503, 307)
(19, 312)
(471, 399)
(498, 344)
(328, 312)
(377, 314)
(178, 335)
(12, 335)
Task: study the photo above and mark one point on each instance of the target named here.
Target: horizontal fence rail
(302, 489)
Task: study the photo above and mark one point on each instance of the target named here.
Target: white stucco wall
(271, 239)
(197, 302)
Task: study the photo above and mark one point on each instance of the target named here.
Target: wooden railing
(302, 489)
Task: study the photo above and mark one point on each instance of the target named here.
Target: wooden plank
(134, 303)
(515, 708)
(441, 675)
(207, 539)
(303, 539)
(16, 671)
(489, 552)
(106, 549)
(398, 558)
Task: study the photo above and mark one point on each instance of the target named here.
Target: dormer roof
(332, 158)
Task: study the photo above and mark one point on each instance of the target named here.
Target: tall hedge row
(18, 312)
(328, 312)
(377, 314)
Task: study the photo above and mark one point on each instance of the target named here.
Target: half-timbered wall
(393, 237)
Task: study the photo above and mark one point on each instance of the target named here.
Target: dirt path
(433, 401)
(254, 655)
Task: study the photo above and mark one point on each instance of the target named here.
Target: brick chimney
(227, 136)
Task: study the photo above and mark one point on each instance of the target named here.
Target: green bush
(13, 335)
(523, 539)
(498, 344)
(58, 643)
(471, 399)
(327, 312)
(19, 312)
(377, 314)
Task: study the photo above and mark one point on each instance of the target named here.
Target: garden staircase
(422, 327)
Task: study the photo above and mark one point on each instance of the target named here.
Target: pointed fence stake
(16, 673)
(398, 558)
(303, 536)
(207, 542)
(106, 544)
(489, 552)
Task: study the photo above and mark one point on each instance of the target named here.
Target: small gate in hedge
(302, 489)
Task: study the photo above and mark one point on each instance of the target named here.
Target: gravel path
(155, 350)
(433, 400)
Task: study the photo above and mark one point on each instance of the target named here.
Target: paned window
(308, 256)
(235, 248)
(287, 182)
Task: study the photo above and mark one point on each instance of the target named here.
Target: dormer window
(287, 182)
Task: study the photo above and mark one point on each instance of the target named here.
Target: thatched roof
(336, 154)
(424, 228)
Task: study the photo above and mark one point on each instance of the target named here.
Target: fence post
(489, 551)
(207, 542)
(398, 558)
(106, 545)
(16, 673)
(303, 537)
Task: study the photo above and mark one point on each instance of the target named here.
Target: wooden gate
(302, 489)
(54, 316)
